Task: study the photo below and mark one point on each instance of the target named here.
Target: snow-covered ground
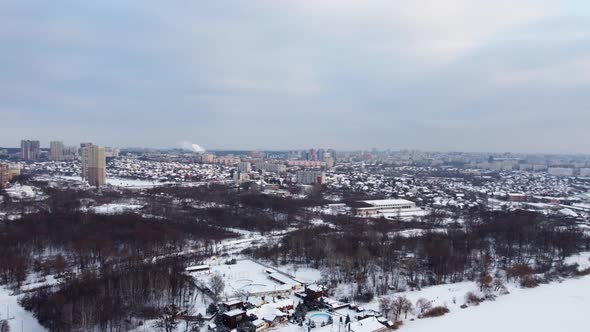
(116, 208)
(135, 183)
(246, 276)
(583, 260)
(18, 317)
(548, 308)
(121, 182)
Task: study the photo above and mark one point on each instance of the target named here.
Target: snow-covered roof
(234, 312)
(267, 312)
(197, 268)
(283, 279)
(385, 202)
(370, 324)
(316, 288)
(232, 302)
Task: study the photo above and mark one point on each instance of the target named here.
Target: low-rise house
(231, 319)
(198, 268)
(270, 315)
(370, 324)
(315, 291)
(260, 325)
(233, 305)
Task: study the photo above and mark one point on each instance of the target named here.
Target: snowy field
(19, 318)
(121, 182)
(245, 276)
(549, 308)
(116, 208)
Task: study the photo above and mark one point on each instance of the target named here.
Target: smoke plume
(192, 147)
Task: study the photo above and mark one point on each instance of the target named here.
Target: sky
(453, 75)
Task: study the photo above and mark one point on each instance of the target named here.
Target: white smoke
(186, 145)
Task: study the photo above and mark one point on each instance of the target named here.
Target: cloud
(296, 73)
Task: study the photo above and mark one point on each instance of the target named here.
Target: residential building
(207, 158)
(93, 164)
(370, 324)
(271, 167)
(71, 153)
(226, 160)
(307, 163)
(111, 152)
(585, 172)
(4, 178)
(7, 173)
(240, 177)
(233, 305)
(517, 197)
(30, 150)
(244, 167)
(231, 319)
(561, 171)
(315, 291)
(311, 177)
(386, 207)
(56, 151)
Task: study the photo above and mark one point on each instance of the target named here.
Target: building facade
(30, 150)
(311, 177)
(244, 167)
(7, 173)
(56, 151)
(93, 164)
(376, 208)
(561, 171)
(271, 167)
(4, 179)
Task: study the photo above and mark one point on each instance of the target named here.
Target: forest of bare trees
(372, 254)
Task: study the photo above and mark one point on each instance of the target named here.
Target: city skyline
(67, 145)
(458, 76)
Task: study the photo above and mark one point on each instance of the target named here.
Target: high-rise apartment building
(29, 150)
(311, 177)
(4, 178)
(244, 167)
(111, 152)
(271, 167)
(93, 164)
(71, 153)
(207, 158)
(56, 151)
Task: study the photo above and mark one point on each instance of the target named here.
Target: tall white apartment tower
(93, 164)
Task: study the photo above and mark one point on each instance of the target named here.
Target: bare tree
(423, 305)
(167, 321)
(385, 306)
(216, 284)
(499, 286)
(400, 304)
(4, 327)
(485, 284)
(407, 306)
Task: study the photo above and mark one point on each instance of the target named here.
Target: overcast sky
(461, 75)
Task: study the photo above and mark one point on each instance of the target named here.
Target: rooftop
(380, 202)
(370, 324)
(235, 312)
